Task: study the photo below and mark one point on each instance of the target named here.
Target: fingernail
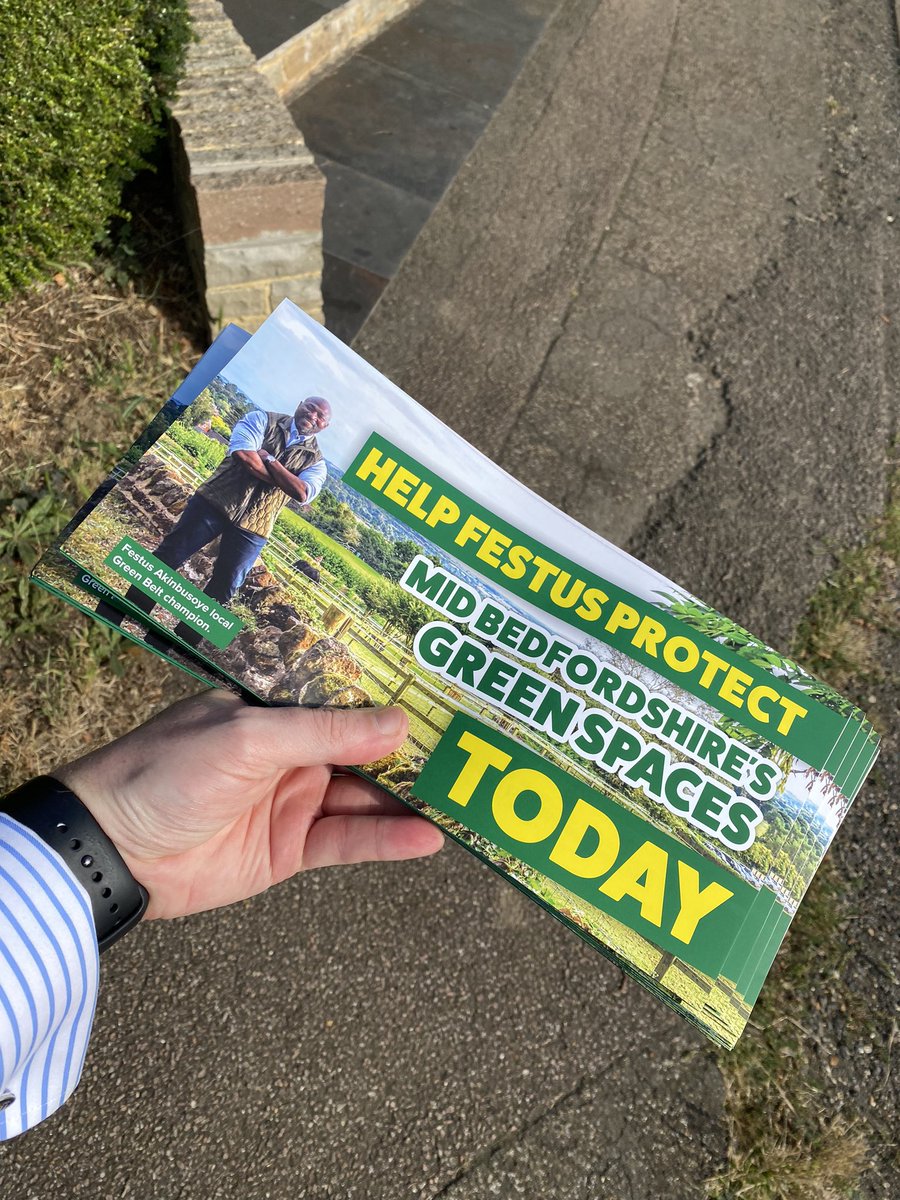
(389, 721)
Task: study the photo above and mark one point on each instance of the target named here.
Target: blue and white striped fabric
(49, 976)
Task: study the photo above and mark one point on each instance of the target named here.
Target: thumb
(305, 737)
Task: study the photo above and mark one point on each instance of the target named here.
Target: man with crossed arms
(272, 458)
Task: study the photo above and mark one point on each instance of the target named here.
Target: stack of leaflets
(293, 526)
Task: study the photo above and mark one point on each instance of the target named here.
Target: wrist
(58, 816)
(86, 782)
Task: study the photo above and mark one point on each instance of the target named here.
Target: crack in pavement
(591, 261)
(547, 1112)
(509, 1139)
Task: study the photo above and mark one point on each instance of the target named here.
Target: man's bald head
(312, 416)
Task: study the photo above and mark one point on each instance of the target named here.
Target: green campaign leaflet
(61, 577)
(657, 778)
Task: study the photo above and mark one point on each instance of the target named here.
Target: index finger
(305, 737)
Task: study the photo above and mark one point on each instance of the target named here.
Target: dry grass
(827, 1171)
(80, 362)
(83, 365)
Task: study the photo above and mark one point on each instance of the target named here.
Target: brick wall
(251, 194)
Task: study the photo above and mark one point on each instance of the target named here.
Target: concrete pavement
(693, 349)
(392, 126)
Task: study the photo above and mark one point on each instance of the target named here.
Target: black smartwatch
(58, 817)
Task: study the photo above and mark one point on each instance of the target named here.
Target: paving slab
(369, 222)
(392, 127)
(512, 10)
(468, 51)
(265, 27)
(350, 293)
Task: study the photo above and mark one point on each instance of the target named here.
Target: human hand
(288, 482)
(214, 801)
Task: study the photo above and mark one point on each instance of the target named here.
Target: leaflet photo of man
(272, 458)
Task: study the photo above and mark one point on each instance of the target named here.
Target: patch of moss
(834, 638)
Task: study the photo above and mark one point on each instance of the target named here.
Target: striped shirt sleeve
(49, 976)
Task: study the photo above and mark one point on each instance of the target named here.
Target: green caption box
(173, 592)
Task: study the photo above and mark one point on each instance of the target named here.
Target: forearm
(288, 482)
(253, 462)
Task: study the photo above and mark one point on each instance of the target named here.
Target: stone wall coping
(220, 67)
(313, 52)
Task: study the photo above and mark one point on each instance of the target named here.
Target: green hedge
(206, 452)
(82, 89)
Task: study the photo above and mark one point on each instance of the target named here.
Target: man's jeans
(199, 524)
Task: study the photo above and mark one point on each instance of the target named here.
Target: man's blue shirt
(248, 434)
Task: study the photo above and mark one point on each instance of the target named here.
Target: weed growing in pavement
(784, 1142)
(789, 1139)
(855, 602)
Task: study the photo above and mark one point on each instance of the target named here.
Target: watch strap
(59, 818)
